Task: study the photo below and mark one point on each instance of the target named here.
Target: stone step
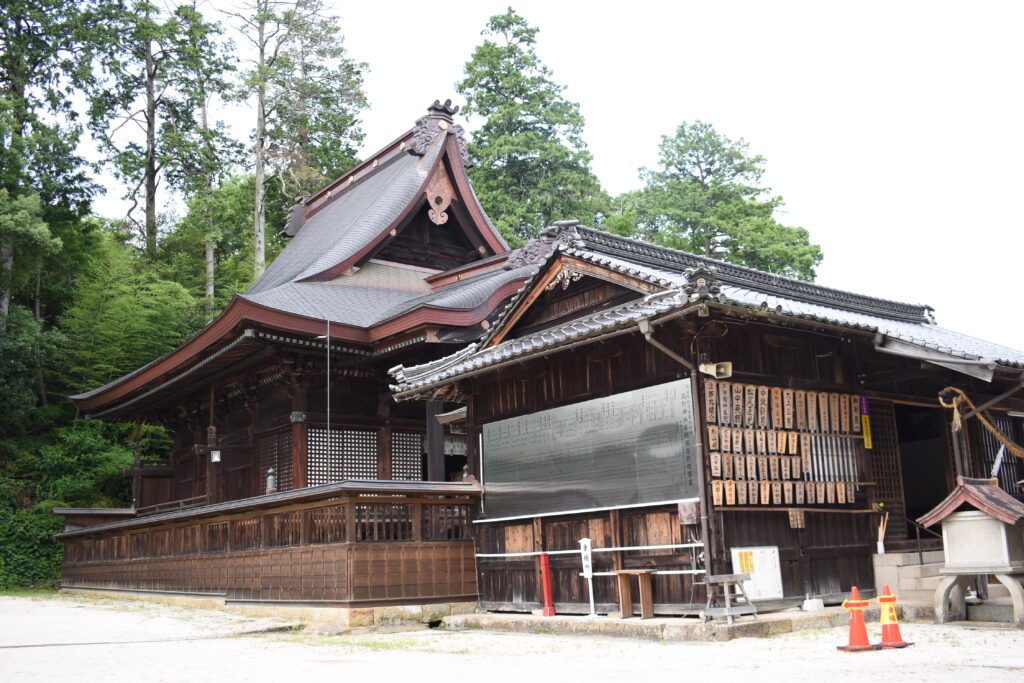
(918, 570)
(1000, 610)
(910, 558)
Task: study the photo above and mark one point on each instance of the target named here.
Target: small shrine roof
(984, 494)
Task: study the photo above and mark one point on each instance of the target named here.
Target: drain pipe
(647, 330)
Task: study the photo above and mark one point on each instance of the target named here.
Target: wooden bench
(643, 577)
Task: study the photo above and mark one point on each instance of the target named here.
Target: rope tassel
(959, 399)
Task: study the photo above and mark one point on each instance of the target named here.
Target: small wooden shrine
(695, 418)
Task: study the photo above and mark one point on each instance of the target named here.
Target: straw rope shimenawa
(959, 399)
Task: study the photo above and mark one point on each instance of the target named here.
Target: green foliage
(123, 316)
(29, 555)
(706, 198)
(26, 349)
(532, 166)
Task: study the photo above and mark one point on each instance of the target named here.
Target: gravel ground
(71, 638)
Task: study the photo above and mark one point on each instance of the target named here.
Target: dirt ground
(58, 638)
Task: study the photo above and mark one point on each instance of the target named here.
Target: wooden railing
(314, 545)
(171, 505)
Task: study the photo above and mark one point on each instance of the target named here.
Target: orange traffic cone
(891, 637)
(858, 631)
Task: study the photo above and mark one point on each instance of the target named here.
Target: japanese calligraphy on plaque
(748, 440)
(812, 411)
(737, 404)
(793, 441)
(725, 438)
(801, 411)
(730, 493)
(833, 411)
(762, 407)
(737, 440)
(741, 493)
(740, 468)
(712, 438)
(787, 408)
(749, 405)
(855, 414)
(724, 404)
(727, 465)
(760, 437)
(716, 464)
(844, 413)
(711, 401)
(777, 407)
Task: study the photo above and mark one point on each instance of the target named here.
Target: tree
(308, 96)
(531, 164)
(123, 315)
(147, 114)
(706, 198)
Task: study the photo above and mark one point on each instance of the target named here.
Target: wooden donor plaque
(787, 408)
(787, 492)
(740, 467)
(783, 441)
(773, 442)
(795, 467)
(762, 467)
(761, 447)
(737, 404)
(725, 438)
(725, 403)
(773, 467)
(855, 414)
(749, 405)
(830, 492)
(810, 488)
(741, 493)
(716, 464)
(711, 401)
(797, 519)
(794, 442)
(737, 440)
(841, 493)
(844, 413)
(765, 494)
(777, 493)
(717, 487)
(712, 438)
(751, 467)
(819, 491)
(850, 492)
(752, 489)
(805, 451)
(730, 493)
(833, 411)
(823, 412)
(784, 469)
(762, 407)
(801, 411)
(727, 462)
(777, 420)
(798, 492)
(812, 411)
(748, 441)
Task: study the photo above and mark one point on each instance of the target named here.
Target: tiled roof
(740, 287)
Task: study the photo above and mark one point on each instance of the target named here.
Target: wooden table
(643, 577)
(726, 582)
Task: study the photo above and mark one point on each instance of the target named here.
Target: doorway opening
(924, 459)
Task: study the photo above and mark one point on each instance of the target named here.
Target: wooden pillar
(213, 469)
(435, 442)
(384, 470)
(300, 436)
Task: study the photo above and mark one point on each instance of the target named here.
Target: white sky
(894, 130)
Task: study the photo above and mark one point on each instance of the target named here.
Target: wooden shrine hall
(294, 477)
(694, 418)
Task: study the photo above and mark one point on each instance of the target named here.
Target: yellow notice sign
(865, 423)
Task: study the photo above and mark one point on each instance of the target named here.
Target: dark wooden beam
(435, 441)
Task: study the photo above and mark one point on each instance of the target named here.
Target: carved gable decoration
(439, 193)
(437, 122)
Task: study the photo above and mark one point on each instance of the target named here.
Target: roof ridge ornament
(559, 235)
(702, 285)
(437, 121)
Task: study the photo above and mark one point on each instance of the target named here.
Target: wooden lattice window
(407, 456)
(284, 529)
(348, 454)
(275, 450)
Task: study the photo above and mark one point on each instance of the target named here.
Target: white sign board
(762, 563)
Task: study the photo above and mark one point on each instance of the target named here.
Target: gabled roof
(674, 274)
(983, 494)
(328, 271)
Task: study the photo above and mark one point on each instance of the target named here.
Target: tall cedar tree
(308, 97)
(45, 50)
(531, 164)
(146, 112)
(706, 198)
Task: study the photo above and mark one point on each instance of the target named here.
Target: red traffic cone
(891, 637)
(858, 631)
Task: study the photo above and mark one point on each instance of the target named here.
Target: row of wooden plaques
(781, 492)
(768, 467)
(758, 441)
(760, 407)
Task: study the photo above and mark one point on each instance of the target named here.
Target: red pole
(545, 580)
